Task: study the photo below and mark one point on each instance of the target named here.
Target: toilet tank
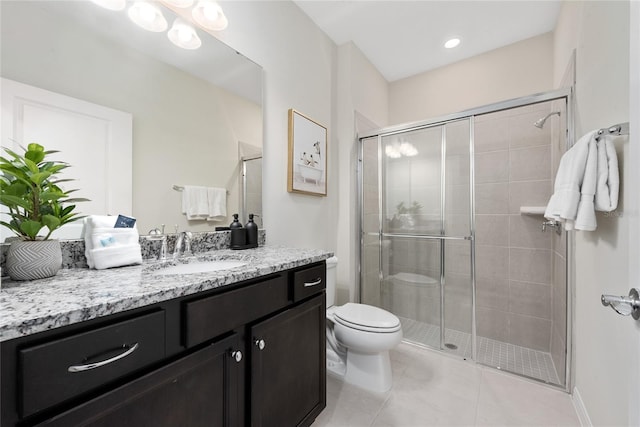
(332, 264)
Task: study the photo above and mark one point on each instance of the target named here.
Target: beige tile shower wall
(513, 257)
(371, 288)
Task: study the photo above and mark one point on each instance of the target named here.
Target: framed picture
(307, 155)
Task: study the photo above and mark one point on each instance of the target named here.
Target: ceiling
(404, 38)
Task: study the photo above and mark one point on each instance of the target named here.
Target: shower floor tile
(504, 356)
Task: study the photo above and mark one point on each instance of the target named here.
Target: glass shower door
(416, 229)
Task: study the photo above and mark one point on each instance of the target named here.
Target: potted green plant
(36, 207)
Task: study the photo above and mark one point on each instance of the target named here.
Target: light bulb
(147, 13)
(209, 14)
(184, 35)
(147, 16)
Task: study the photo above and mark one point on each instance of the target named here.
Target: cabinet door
(288, 371)
(198, 390)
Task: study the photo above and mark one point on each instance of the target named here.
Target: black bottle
(252, 232)
(235, 223)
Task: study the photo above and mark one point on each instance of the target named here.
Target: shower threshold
(504, 356)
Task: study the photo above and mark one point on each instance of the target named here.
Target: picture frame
(307, 165)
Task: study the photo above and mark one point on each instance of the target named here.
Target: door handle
(622, 305)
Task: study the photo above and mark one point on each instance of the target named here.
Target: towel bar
(181, 187)
(619, 129)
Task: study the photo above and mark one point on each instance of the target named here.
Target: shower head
(540, 123)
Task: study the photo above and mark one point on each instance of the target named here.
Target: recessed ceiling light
(450, 44)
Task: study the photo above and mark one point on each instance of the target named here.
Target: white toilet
(359, 338)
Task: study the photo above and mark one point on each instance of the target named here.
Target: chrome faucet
(183, 237)
(156, 234)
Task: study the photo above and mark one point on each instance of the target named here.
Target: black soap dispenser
(238, 234)
(252, 232)
(235, 223)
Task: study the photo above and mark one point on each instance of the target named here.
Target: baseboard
(581, 410)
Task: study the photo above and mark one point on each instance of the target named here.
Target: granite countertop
(79, 294)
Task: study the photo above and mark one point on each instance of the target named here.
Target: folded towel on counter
(587, 180)
(106, 246)
(204, 203)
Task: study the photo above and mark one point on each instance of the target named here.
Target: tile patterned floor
(512, 358)
(434, 389)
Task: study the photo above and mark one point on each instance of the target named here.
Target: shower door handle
(624, 305)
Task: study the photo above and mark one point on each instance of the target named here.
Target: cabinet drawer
(309, 281)
(212, 316)
(58, 370)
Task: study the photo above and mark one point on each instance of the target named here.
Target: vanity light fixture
(184, 35)
(209, 14)
(148, 16)
(451, 43)
(111, 4)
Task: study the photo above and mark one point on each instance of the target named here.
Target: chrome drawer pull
(88, 366)
(309, 284)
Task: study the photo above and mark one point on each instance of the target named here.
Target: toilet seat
(366, 318)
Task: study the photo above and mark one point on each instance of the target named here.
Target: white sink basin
(201, 267)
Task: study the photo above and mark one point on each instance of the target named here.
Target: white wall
(519, 69)
(299, 63)
(633, 202)
(605, 344)
(361, 89)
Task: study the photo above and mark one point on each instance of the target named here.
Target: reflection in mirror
(189, 108)
(252, 189)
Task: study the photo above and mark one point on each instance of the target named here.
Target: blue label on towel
(107, 241)
(124, 222)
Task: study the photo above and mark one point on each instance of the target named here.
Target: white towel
(608, 184)
(195, 202)
(563, 205)
(217, 202)
(585, 218)
(106, 246)
(204, 203)
(587, 180)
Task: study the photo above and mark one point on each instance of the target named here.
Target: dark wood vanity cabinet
(198, 390)
(247, 354)
(288, 380)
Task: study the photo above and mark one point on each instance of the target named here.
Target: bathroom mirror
(190, 109)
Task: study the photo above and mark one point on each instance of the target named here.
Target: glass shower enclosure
(444, 245)
(418, 232)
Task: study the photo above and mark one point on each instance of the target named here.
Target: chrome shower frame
(565, 93)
